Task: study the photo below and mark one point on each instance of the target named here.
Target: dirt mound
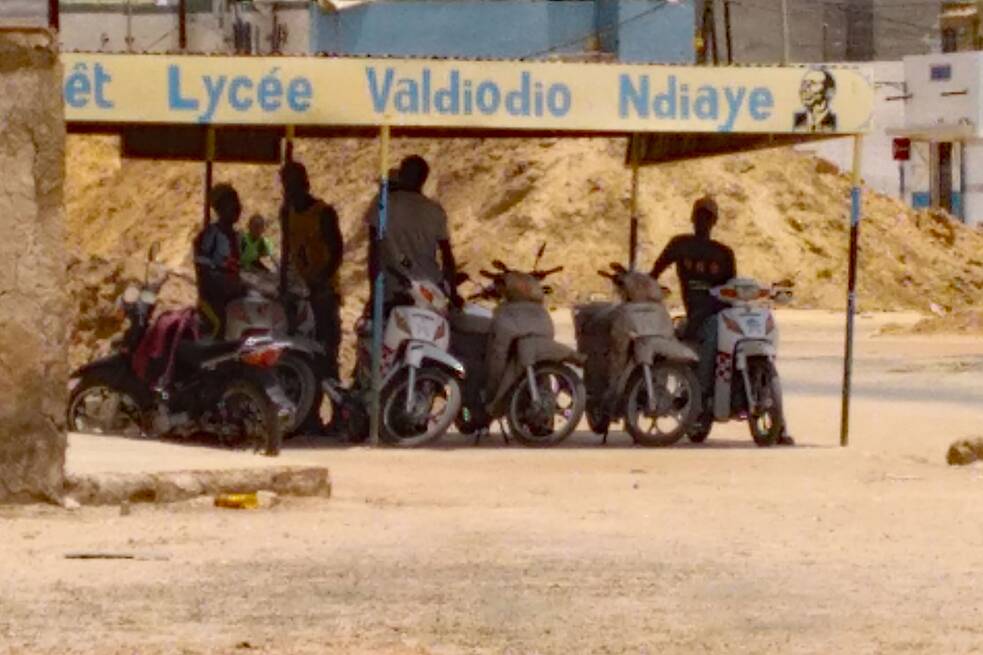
(785, 213)
(966, 321)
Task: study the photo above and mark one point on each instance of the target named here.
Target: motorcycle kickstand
(505, 433)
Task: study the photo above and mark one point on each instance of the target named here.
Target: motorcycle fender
(416, 353)
(301, 344)
(651, 348)
(752, 348)
(532, 350)
(110, 365)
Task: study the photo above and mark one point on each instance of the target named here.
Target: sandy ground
(722, 548)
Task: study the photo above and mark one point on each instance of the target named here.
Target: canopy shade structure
(240, 108)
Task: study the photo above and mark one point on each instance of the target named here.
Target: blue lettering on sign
(81, 88)
(720, 105)
(458, 95)
(210, 93)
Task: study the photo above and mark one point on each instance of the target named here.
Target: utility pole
(54, 19)
(785, 41)
(182, 25)
(727, 35)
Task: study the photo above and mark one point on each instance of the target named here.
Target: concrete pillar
(33, 300)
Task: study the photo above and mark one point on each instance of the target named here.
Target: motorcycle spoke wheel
(765, 422)
(675, 408)
(435, 404)
(98, 409)
(555, 415)
(296, 377)
(247, 419)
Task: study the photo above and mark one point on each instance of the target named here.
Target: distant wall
(631, 30)
(33, 307)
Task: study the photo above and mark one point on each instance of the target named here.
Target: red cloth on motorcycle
(161, 340)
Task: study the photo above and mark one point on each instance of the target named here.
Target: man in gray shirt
(416, 232)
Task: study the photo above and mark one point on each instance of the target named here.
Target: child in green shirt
(253, 246)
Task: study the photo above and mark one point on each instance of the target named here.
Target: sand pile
(786, 215)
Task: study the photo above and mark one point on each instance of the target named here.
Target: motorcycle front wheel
(766, 422)
(95, 407)
(674, 409)
(432, 408)
(556, 414)
(248, 418)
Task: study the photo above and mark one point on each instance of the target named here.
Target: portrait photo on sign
(816, 92)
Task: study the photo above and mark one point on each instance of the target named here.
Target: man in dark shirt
(701, 264)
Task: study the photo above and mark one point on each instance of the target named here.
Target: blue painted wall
(634, 30)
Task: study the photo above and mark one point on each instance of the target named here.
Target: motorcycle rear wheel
(244, 407)
(295, 373)
(535, 426)
(766, 424)
(398, 428)
(677, 404)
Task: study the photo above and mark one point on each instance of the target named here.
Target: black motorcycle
(161, 380)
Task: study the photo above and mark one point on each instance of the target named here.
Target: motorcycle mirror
(153, 251)
(539, 256)
(499, 264)
(618, 268)
(487, 274)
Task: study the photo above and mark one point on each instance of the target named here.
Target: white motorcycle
(746, 382)
(421, 392)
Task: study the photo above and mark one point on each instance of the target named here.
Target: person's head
(817, 89)
(413, 172)
(257, 225)
(704, 216)
(224, 200)
(295, 182)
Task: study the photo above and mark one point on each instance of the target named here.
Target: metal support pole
(129, 25)
(379, 288)
(635, 144)
(209, 158)
(901, 182)
(288, 144)
(786, 46)
(962, 181)
(851, 298)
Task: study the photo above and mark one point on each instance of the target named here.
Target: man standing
(416, 232)
(312, 250)
(216, 253)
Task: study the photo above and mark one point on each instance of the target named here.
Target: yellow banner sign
(463, 94)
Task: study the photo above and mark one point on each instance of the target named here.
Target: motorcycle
(636, 370)
(161, 381)
(540, 397)
(263, 311)
(421, 393)
(746, 382)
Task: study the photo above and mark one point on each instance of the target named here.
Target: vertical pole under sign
(851, 302)
(379, 289)
(634, 144)
(209, 158)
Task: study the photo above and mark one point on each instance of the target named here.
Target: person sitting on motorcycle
(216, 255)
(254, 247)
(416, 232)
(701, 264)
(312, 250)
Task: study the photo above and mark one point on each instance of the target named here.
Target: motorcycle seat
(193, 353)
